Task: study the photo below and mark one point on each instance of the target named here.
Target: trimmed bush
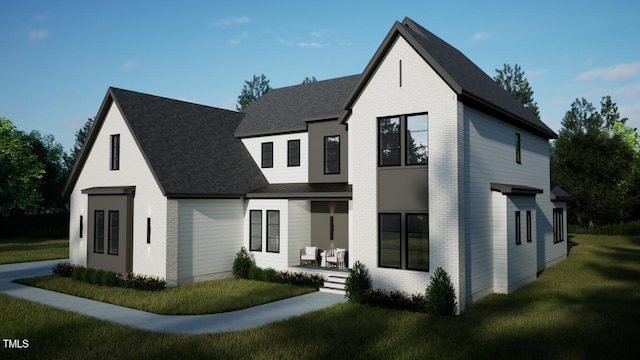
(301, 278)
(256, 273)
(242, 264)
(358, 283)
(63, 269)
(107, 278)
(271, 275)
(440, 298)
(79, 273)
(142, 282)
(394, 300)
(91, 276)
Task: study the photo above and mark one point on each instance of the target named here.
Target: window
(518, 235)
(81, 225)
(332, 154)
(267, 155)
(529, 237)
(114, 231)
(148, 230)
(417, 140)
(255, 230)
(518, 155)
(389, 236)
(293, 153)
(115, 152)
(417, 241)
(98, 232)
(558, 225)
(273, 231)
(389, 141)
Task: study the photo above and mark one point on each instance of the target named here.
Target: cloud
(532, 73)
(301, 44)
(232, 20)
(38, 34)
(316, 34)
(613, 72)
(130, 65)
(481, 36)
(629, 91)
(238, 39)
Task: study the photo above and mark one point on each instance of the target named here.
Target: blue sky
(59, 57)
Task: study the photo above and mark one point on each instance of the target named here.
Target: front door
(109, 244)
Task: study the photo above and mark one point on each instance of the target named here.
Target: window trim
(295, 159)
(406, 238)
(406, 139)
(98, 230)
(529, 229)
(518, 149)
(269, 225)
(558, 225)
(380, 248)
(116, 237)
(267, 161)
(251, 234)
(337, 161)
(114, 163)
(518, 229)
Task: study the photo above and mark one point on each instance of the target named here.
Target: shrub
(142, 282)
(63, 269)
(242, 264)
(358, 283)
(271, 275)
(394, 300)
(301, 279)
(91, 276)
(440, 296)
(256, 273)
(79, 273)
(107, 278)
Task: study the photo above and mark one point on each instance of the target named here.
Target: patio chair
(309, 255)
(336, 258)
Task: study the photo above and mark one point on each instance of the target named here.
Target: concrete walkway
(187, 324)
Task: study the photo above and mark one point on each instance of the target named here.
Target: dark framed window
(267, 155)
(293, 153)
(518, 230)
(148, 230)
(273, 231)
(114, 232)
(518, 154)
(529, 235)
(389, 240)
(115, 152)
(98, 231)
(417, 238)
(389, 141)
(558, 225)
(332, 154)
(255, 230)
(81, 226)
(417, 140)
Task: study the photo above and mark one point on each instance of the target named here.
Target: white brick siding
(148, 201)
(280, 172)
(422, 91)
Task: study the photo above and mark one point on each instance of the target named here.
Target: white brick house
(422, 161)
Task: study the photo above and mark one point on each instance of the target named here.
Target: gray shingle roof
(473, 85)
(288, 109)
(190, 148)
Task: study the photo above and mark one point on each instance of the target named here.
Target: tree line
(596, 157)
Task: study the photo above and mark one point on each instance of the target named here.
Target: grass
(584, 307)
(14, 250)
(206, 297)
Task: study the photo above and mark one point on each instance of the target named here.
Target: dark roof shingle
(288, 109)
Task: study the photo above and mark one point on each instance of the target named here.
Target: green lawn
(16, 250)
(585, 307)
(206, 297)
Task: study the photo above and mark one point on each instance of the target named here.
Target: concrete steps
(335, 283)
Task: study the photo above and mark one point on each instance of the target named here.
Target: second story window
(417, 140)
(115, 152)
(293, 153)
(332, 154)
(267, 155)
(394, 149)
